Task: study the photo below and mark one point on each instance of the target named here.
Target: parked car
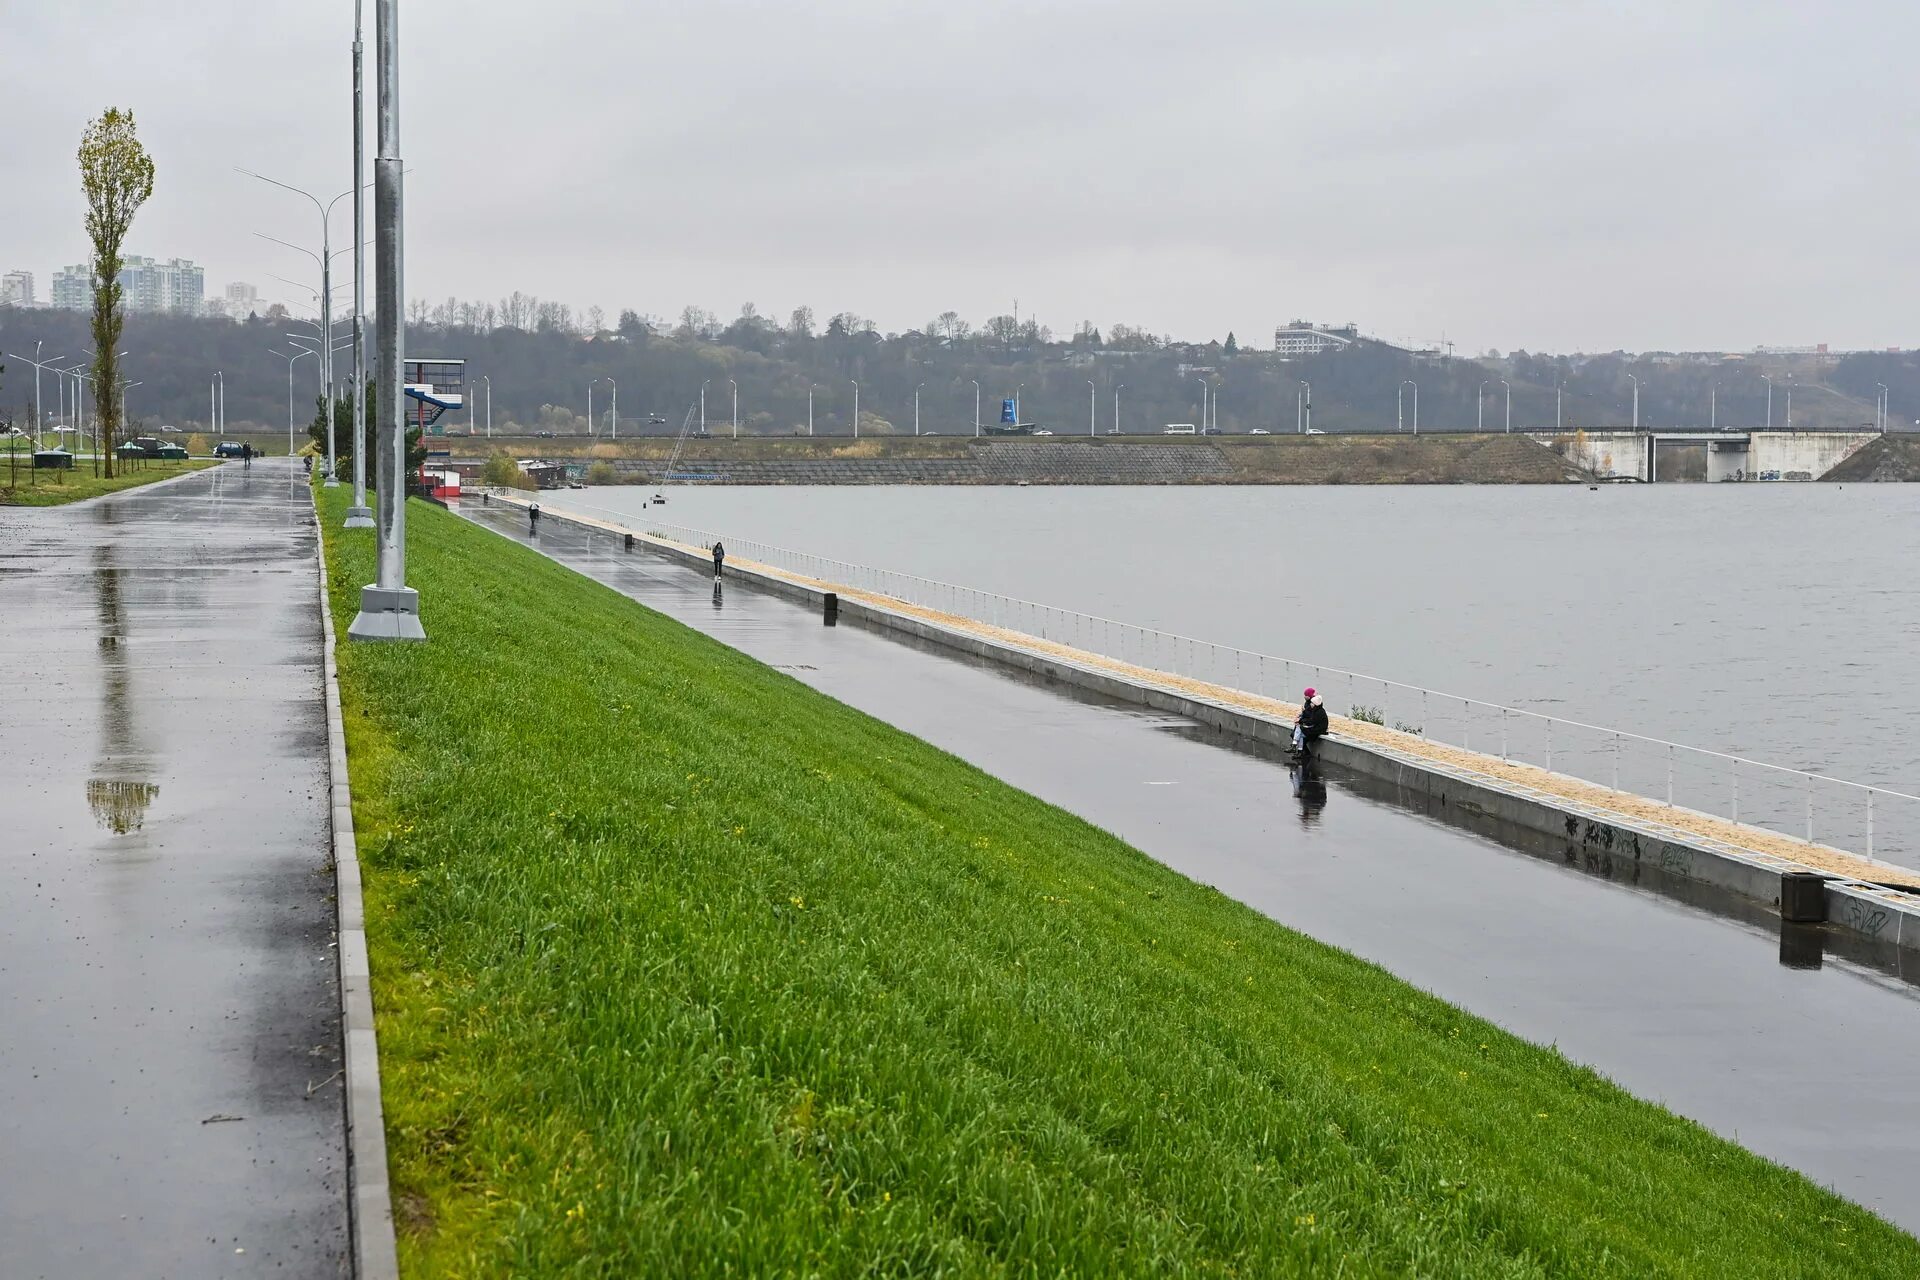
(1041, 431)
(229, 449)
(543, 435)
(1259, 431)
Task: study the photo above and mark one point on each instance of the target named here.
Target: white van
(1179, 429)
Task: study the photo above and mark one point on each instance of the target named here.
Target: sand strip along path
(1633, 808)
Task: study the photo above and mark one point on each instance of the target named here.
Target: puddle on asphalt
(120, 806)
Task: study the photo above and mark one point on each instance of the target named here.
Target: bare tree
(116, 174)
(596, 320)
(800, 323)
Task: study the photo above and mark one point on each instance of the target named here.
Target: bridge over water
(1674, 455)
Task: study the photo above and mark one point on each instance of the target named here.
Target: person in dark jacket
(1311, 724)
(533, 519)
(719, 558)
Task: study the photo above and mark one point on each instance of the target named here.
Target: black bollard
(629, 542)
(832, 614)
(1803, 897)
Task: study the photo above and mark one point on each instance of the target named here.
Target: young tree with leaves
(116, 173)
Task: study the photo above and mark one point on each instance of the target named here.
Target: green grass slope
(683, 969)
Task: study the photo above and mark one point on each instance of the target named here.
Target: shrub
(198, 445)
(1371, 715)
(602, 473)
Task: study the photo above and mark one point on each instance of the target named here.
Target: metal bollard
(831, 609)
(629, 542)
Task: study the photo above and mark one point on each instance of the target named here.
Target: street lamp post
(1636, 400)
(856, 407)
(389, 609)
(291, 360)
(811, 388)
(614, 399)
(736, 407)
(1769, 381)
(1509, 389)
(1305, 407)
(1017, 415)
(1090, 395)
(1558, 387)
(1116, 407)
(1880, 407)
(489, 381)
(1480, 408)
(359, 515)
(703, 409)
(976, 405)
(220, 416)
(1789, 423)
(1713, 407)
(916, 407)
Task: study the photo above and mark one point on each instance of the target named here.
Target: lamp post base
(388, 613)
(331, 483)
(359, 518)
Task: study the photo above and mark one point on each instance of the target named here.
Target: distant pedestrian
(533, 520)
(719, 559)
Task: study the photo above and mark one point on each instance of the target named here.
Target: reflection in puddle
(119, 806)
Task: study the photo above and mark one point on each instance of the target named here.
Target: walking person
(719, 558)
(533, 520)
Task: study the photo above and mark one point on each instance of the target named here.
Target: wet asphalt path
(169, 1014)
(1809, 1066)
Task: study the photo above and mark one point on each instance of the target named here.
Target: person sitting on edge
(1311, 724)
(719, 557)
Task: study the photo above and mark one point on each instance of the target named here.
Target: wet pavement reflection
(1681, 995)
(169, 1018)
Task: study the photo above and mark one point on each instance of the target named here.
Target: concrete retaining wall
(988, 462)
(1867, 911)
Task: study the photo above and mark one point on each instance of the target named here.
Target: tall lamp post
(811, 388)
(489, 381)
(614, 400)
(358, 512)
(976, 405)
(1509, 389)
(1118, 388)
(1090, 395)
(1713, 407)
(1769, 381)
(1636, 400)
(736, 407)
(1399, 405)
(703, 409)
(1480, 409)
(916, 407)
(1880, 407)
(359, 515)
(856, 407)
(389, 608)
(291, 360)
(1306, 406)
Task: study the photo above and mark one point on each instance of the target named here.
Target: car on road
(656, 419)
(543, 435)
(1315, 431)
(1259, 431)
(1041, 431)
(229, 449)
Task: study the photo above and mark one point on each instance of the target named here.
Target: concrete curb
(1867, 911)
(369, 1195)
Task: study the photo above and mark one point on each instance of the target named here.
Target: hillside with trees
(540, 358)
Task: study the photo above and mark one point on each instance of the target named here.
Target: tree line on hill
(539, 359)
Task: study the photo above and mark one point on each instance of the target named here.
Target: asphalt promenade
(170, 1096)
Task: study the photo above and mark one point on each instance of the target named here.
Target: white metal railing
(1794, 803)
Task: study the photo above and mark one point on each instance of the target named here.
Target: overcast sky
(1672, 174)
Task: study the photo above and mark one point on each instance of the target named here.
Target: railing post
(1503, 736)
(1549, 744)
(1869, 822)
(1736, 788)
(1669, 775)
(1616, 764)
(1809, 808)
(1466, 720)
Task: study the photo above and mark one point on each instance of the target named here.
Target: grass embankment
(684, 969)
(52, 488)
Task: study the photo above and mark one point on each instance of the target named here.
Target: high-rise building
(174, 287)
(241, 297)
(16, 289)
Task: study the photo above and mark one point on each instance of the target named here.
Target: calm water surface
(1776, 621)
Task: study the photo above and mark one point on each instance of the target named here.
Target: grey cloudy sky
(1551, 176)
